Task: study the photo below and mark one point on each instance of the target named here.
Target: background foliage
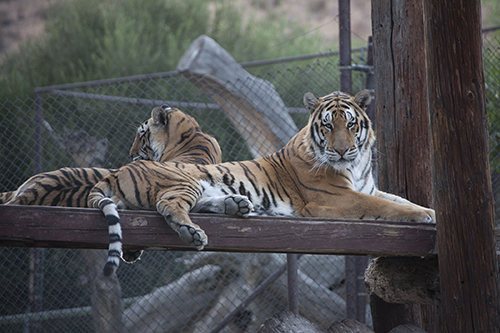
(92, 39)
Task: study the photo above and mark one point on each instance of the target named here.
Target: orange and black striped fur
(169, 134)
(324, 171)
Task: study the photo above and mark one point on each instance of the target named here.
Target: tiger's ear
(310, 102)
(159, 116)
(363, 99)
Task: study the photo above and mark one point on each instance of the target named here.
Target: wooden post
(401, 100)
(461, 174)
(402, 122)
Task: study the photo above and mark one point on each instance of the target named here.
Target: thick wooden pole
(461, 176)
(402, 123)
(402, 118)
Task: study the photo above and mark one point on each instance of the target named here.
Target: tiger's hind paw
(193, 236)
(238, 205)
(130, 256)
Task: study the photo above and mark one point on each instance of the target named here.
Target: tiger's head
(170, 135)
(339, 131)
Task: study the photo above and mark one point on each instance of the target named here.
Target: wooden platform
(40, 226)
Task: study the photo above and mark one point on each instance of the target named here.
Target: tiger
(169, 134)
(325, 171)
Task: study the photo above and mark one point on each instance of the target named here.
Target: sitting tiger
(323, 171)
(169, 135)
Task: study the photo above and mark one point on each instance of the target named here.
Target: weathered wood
(401, 108)
(263, 275)
(402, 121)
(170, 308)
(105, 293)
(461, 170)
(37, 226)
(286, 322)
(253, 106)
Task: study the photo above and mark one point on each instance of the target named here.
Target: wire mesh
(491, 58)
(57, 290)
(52, 290)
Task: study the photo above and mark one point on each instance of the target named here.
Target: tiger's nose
(341, 151)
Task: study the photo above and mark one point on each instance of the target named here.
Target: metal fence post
(38, 133)
(293, 283)
(36, 254)
(351, 279)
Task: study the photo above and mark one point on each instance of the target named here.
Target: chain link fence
(491, 57)
(93, 124)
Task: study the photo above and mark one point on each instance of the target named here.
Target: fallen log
(252, 105)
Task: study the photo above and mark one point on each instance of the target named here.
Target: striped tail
(108, 207)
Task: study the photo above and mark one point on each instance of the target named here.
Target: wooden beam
(461, 170)
(401, 105)
(403, 129)
(38, 226)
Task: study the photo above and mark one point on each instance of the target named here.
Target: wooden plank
(37, 226)
(461, 170)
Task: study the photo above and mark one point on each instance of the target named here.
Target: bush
(92, 39)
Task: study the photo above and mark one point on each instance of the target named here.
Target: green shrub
(91, 39)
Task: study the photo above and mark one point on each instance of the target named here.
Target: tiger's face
(141, 148)
(339, 129)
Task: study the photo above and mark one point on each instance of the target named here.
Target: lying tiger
(324, 171)
(169, 135)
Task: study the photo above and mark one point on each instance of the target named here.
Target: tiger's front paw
(193, 236)
(238, 205)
